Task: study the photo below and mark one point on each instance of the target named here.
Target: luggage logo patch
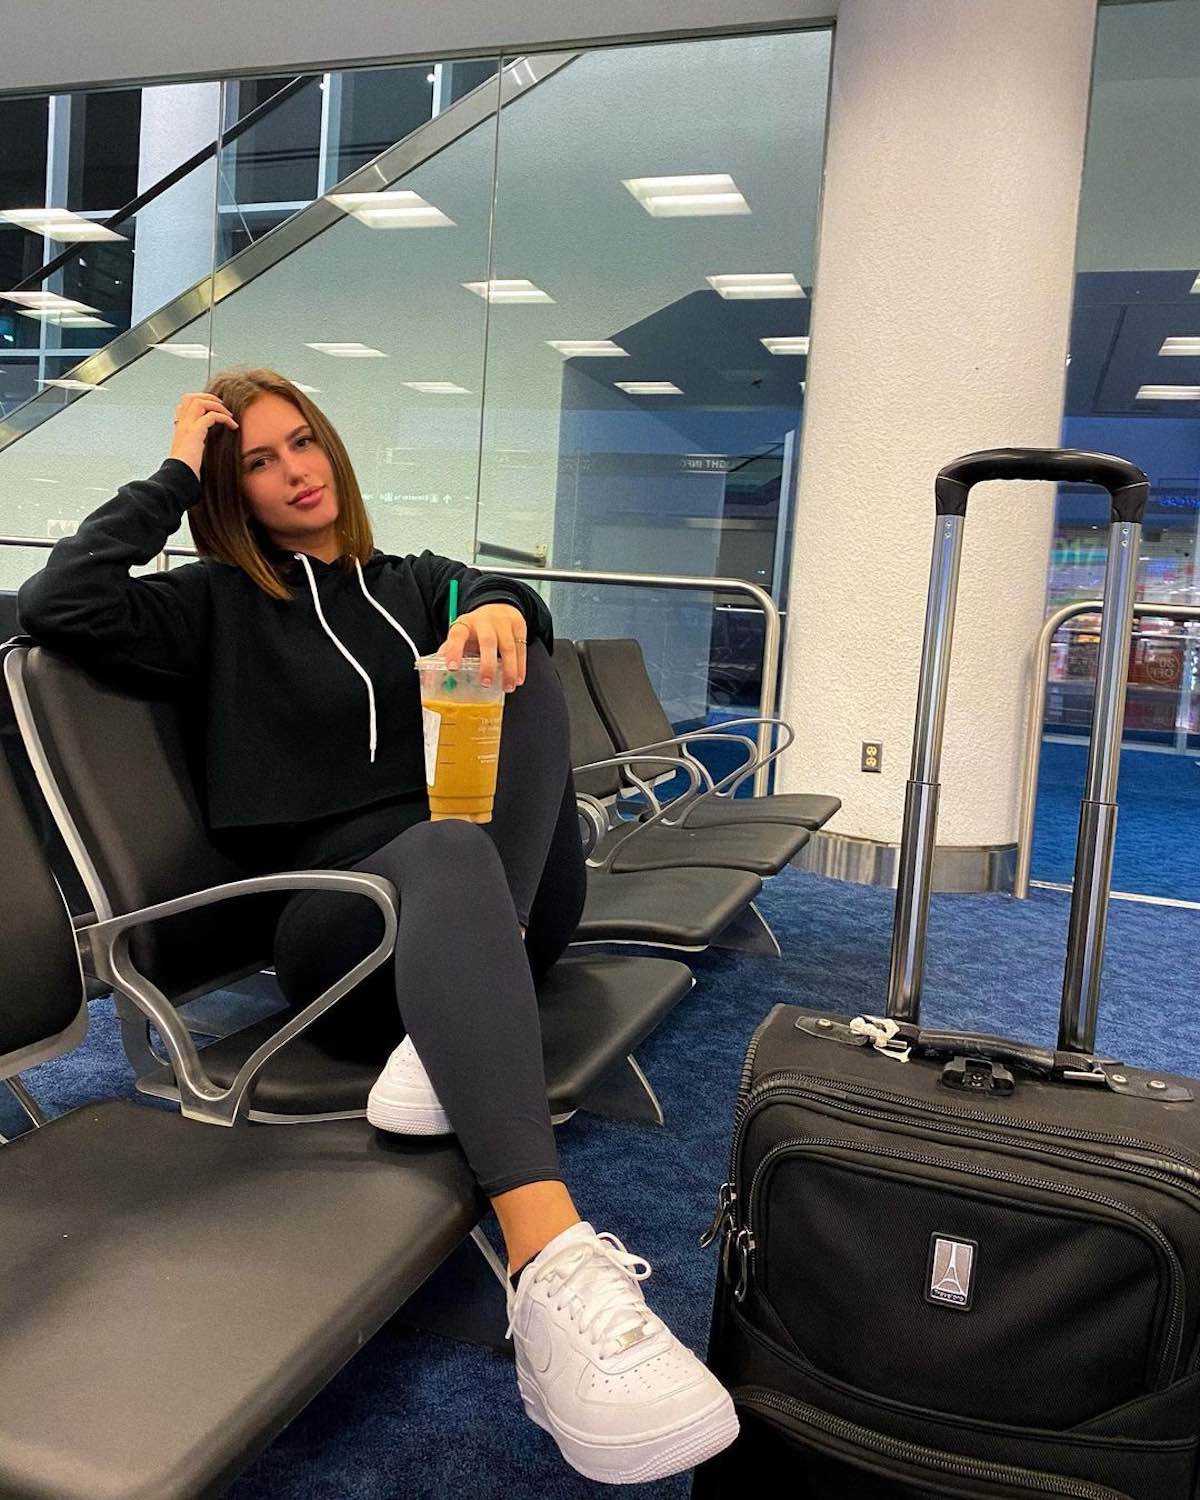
(951, 1272)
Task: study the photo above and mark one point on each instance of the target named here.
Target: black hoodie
(293, 709)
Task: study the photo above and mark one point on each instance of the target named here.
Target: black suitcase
(959, 1264)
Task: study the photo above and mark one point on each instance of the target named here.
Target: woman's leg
(535, 761)
(558, 904)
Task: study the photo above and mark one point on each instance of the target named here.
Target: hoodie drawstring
(395, 624)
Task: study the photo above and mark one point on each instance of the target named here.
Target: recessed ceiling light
(648, 387)
(1190, 345)
(46, 300)
(513, 290)
(37, 479)
(183, 351)
(58, 224)
(520, 73)
(682, 197)
(309, 390)
(592, 348)
(436, 387)
(1196, 284)
(348, 351)
(73, 385)
(58, 318)
(1168, 393)
(400, 209)
(756, 285)
(786, 345)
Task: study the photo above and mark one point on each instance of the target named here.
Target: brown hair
(222, 524)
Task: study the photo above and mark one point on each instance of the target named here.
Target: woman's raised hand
(196, 413)
(496, 630)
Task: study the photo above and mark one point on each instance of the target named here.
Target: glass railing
(528, 355)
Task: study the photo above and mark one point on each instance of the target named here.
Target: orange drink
(461, 720)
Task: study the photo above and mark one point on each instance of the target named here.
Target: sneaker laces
(599, 1280)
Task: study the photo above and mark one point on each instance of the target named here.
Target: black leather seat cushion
(762, 848)
(174, 1293)
(809, 810)
(682, 907)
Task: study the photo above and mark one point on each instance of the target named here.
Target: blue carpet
(1158, 828)
(417, 1416)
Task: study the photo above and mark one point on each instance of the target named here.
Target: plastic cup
(461, 719)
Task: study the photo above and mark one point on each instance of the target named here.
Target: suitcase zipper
(760, 1399)
(1163, 1157)
(1165, 1162)
(726, 1197)
(746, 1244)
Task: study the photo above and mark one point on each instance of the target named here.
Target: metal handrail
(1037, 713)
(771, 634)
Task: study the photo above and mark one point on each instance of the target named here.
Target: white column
(174, 245)
(940, 324)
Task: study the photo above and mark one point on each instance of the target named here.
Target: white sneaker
(624, 1400)
(402, 1098)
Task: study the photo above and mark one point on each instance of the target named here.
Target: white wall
(940, 326)
(61, 44)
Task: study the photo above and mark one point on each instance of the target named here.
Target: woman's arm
(148, 633)
(433, 575)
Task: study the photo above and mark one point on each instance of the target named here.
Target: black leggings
(462, 982)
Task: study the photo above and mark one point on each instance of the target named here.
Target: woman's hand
(495, 629)
(196, 413)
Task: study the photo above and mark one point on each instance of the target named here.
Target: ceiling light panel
(58, 224)
(703, 194)
(588, 348)
(348, 351)
(1168, 393)
(1189, 345)
(648, 387)
(785, 345)
(46, 300)
(756, 286)
(59, 318)
(73, 385)
(512, 290)
(400, 209)
(183, 351)
(436, 387)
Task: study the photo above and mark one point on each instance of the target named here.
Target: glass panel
(643, 250)
(144, 262)
(1133, 393)
(401, 370)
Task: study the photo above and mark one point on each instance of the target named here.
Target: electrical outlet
(872, 755)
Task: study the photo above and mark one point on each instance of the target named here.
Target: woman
(290, 647)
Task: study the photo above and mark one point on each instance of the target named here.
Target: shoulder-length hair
(222, 524)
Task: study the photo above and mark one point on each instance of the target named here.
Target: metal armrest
(199, 1097)
(728, 785)
(624, 760)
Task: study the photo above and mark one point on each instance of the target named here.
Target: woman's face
(287, 479)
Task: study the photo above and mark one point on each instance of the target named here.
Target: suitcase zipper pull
(745, 1250)
(726, 1198)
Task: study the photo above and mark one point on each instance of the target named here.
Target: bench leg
(749, 932)
(464, 1298)
(624, 1093)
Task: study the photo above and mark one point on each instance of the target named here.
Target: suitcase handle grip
(1125, 482)
(1040, 1061)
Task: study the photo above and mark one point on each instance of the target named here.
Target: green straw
(450, 682)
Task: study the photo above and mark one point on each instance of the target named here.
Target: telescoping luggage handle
(1128, 488)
